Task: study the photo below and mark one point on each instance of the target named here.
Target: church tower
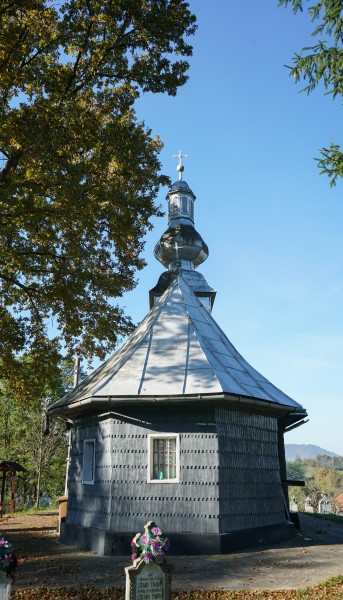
(181, 248)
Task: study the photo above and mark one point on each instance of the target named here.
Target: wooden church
(176, 427)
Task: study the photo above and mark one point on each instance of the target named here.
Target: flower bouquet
(8, 560)
(151, 545)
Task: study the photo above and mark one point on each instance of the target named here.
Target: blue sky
(272, 223)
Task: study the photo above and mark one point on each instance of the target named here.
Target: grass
(329, 517)
(32, 511)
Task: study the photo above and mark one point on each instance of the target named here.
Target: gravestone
(308, 505)
(8, 563)
(324, 505)
(293, 504)
(19, 502)
(30, 503)
(150, 581)
(5, 587)
(45, 500)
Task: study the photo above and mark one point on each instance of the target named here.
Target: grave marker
(148, 581)
(149, 577)
(5, 587)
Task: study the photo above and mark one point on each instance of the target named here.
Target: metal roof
(177, 351)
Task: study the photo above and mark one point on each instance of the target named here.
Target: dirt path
(313, 556)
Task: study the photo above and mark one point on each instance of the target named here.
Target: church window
(88, 466)
(163, 458)
(184, 205)
(174, 206)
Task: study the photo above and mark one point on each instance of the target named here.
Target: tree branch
(28, 291)
(10, 166)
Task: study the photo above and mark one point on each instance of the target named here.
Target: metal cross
(177, 248)
(180, 166)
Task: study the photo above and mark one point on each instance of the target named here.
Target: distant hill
(294, 451)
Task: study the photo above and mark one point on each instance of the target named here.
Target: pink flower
(6, 561)
(160, 557)
(148, 557)
(3, 543)
(145, 540)
(156, 546)
(156, 531)
(134, 556)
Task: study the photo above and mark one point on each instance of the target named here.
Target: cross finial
(177, 248)
(180, 168)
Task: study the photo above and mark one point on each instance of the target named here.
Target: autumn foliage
(79, 174)
(330, 590)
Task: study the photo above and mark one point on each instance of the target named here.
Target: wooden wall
(249, 471)
(229, 472)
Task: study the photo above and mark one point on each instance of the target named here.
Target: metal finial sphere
(180, 168)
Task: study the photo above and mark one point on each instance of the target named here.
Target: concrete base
(108, 543)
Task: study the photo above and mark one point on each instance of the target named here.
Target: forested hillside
(302, 451)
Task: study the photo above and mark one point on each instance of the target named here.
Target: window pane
(184, 204)
(88, 461)
(171, 458)
(174, 207)
(164, 458)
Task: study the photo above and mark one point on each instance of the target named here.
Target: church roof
(177, 352)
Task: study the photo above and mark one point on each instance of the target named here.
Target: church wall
(249, 471)
(88, 503)
(121, 498)
(229, 472)
(190, 505)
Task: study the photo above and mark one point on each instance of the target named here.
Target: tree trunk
(39, 469)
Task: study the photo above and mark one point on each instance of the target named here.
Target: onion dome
(181, 246)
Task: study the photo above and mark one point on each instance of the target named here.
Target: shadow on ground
(312, 556)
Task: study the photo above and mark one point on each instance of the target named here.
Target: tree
(323, 63)
(22, 435)
(328, 480)
(295, 469)
(79, 173)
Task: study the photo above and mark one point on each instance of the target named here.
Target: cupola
(181, 248)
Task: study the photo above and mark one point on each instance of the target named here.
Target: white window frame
(158, 436)
(88, 462)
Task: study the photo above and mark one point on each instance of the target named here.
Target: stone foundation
(107, 543)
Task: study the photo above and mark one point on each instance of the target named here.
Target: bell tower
(181, 248)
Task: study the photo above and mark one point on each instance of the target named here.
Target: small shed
(176, 426)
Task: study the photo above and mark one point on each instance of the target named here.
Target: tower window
(88, 465)
(163, 458)
(184, 205)
(174, 207)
